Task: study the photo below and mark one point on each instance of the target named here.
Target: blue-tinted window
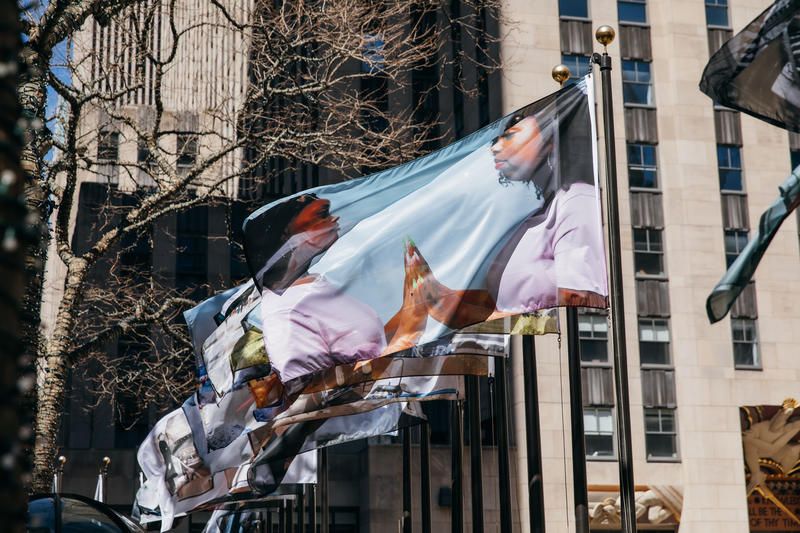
(729, 164)
(637, 86)
(717, 13)
(735, 241)
(642, 168)
(794, 156)
(632, 11)
(573, 8)
(579, 66)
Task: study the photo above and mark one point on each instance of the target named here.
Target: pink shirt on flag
(560, 248)
(314, 326)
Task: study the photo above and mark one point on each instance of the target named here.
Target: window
(648, 252)
(108, 146)
(717, 13)
(632, 11)
(654, 341)
(598, 431)
(143, 155)
(660, 434)
(593, 334)
(636, 82)
(745, 343)
(579, 66)
(735, 241)
(729, 166)
(794, 156)
(573, 8)
(187, 150)
(642, 166)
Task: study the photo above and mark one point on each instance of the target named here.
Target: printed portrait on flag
(756, 71)
(503, 222)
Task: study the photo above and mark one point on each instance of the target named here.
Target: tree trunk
(53, 377)
(13, 422)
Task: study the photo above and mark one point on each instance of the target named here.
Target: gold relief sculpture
(771, 445)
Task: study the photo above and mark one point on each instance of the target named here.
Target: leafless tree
(173, 104)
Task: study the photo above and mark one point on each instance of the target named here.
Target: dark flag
(756, 71)
(738, 275)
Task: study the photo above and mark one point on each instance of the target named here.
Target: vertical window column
(598, 384)
(647, 221)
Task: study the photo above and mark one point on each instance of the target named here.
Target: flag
(721, 299)
(503, 222)
(756, 71)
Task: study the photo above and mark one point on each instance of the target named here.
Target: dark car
(72, 513)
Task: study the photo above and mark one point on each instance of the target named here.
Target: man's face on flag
(519, 150)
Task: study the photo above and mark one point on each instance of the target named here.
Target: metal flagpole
(581, 498)
(301, 511)
(406, 518)
(533, 437)
(476, 475)
(501, 417)
(290, 515)
(425, 475)
(561, 74)
(323, 490)
(312, 507)
(605, 35)
(456, 455)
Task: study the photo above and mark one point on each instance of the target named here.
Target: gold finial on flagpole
(560, 73)
(106, 463)
(61, 462)
(605, 35)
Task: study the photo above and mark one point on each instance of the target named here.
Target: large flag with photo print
(501, 223)
(758, 70)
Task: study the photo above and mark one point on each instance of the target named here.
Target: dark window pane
(573, 8)
(717, 16)
(745, 354)
(599, 445)
(730, 180)
(654, 353)
(795, 158)
(648, 264)
(661, 446)
(638, 177)
(108, 146)
(594, 351)
(631, 12)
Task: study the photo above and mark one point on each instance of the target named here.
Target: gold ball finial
(605, 35)
(106, 461)
(560, 73)
(62, 461)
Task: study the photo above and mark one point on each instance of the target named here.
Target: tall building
(693, 180)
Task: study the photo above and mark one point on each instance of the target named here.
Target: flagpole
(473, 393)
(605, 35)
(425, 475)
(457, 474)
(580, 496)
(533, 437)
(406, 518)
(323, 490)
(301, 511)
(501, 418)
(312, 507)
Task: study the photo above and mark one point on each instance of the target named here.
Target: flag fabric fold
(503, 222)
(738, 275)
(756, 71)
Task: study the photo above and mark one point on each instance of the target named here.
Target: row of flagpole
(604, 35)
